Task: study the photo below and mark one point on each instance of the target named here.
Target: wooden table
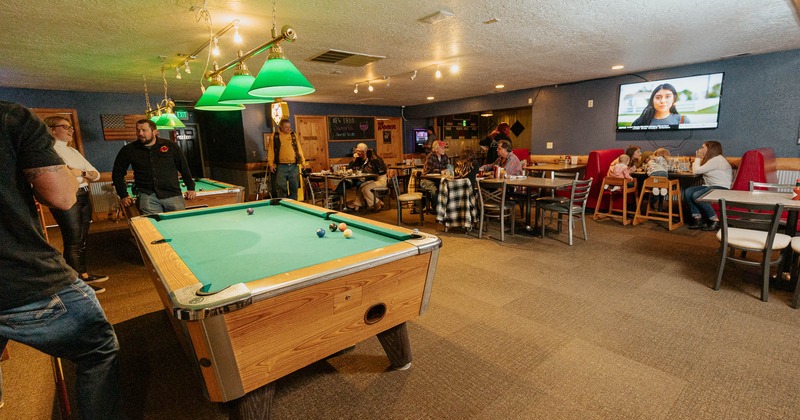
(530, 183)
(686, 179)
(341, 178)
(767, 197)
(555, 167)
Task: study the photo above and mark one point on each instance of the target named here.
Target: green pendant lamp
(237, 91)
(169, 121)
(210, 99)
(280, 78)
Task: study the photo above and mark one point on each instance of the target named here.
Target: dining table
(529, 184)
(555, 167)
(341, 177)
(685, 178)
(783, 281)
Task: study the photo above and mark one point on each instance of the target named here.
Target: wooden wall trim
(782, 164)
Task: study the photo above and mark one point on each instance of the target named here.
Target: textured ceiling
(106, 46)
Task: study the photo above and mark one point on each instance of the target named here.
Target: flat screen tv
(684, 103)
(420, 137)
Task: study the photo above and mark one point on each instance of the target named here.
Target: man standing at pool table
(43, 302)
(283, 158)
(156, 163)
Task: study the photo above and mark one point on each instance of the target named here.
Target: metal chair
(319, 194)
(796, 272)
(750, 228)
(414, 198)
(574, 208)
(493, 204)
(767, 186)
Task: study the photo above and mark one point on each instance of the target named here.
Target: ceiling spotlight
(438, 72)
(369, 86)
(178, 73)
(236, 37)
(499, 86)
(388, 81)
(186, 67)
(215, 49)
(356, 89)
(430, 98)
(618, 67)
(454, 68)
(413, 75)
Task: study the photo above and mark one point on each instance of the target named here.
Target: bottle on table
(796, 190)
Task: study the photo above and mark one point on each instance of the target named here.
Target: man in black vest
(283, 158)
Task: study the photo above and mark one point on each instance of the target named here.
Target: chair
(413, 198)
(575, 207)
(750, 228)
(382, 193)
(456, 204)
(670, 189)
(623, 189)
(769, 186)
(796, 272)
(317, 191)
(493, 204)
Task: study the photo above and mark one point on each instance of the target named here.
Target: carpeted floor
(624, 325)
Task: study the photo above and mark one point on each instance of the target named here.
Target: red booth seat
(757, 165)
(597, 167)
(523, 154)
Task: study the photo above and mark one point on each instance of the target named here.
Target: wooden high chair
(624, 190)
(670, 189)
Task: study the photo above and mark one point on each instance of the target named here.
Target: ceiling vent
(345, 58)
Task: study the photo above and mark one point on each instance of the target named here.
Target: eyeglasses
(64, 126)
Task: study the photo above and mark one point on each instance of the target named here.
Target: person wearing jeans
(43, 302)
(717, 174)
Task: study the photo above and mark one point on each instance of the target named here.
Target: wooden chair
(574, 208)
(670, 190)
(413, 198)
(616, 186)
(750, 228)
(493, 205)
(796, 272)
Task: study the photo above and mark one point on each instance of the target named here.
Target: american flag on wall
(120, 127)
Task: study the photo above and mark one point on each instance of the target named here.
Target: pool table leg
(254, 405)
(397, 346)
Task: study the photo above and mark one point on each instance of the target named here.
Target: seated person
(435, 163)
(489, 144)
(505, 159)
(658, 165)
(621, 170)
(365, 161)
(467, 166)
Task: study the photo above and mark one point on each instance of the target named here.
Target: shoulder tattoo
(34, 173)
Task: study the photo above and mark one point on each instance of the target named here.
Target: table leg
(254, 405)
(397, 346)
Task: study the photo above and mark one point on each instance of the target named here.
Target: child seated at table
(658, 165)
(621, 170)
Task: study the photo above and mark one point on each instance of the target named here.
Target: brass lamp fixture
(168, 119)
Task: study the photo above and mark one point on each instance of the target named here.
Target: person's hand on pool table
(190, 195)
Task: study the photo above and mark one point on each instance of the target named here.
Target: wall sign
(351, 128)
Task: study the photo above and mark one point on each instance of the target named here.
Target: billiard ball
(342, 226)
(250, 210)
(333, 227)
(202, 189)
(347, 233)
(320, 232)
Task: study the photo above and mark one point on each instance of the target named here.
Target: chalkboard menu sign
(351, 128)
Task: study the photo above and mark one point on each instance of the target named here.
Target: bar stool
(670, 189)
(609, 188)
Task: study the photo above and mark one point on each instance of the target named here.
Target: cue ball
(333, 227)
(250, 211)
(347, 233)
(320, 232)
(342, 226)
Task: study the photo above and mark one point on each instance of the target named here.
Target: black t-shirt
(30, 269)
(155, 169)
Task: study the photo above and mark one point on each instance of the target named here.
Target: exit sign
(182, 114)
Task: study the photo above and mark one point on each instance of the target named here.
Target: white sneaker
(615, 189)
(656, 191)
(97, 289)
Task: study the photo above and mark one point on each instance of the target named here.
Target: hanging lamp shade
(237, 91)
(210, 100)
(169, 121)
(279, 78)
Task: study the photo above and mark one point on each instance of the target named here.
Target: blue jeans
(287, 173)
(71, 325)
(698, 208)
(151, 204)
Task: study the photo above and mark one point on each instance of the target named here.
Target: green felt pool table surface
(225, 245)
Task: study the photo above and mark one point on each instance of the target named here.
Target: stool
(262, 181)
(659, 186)
(621, 184)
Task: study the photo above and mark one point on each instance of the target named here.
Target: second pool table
(257, 296)
(209, 193)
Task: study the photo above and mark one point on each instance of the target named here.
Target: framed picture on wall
(387, 137)
(266, 137)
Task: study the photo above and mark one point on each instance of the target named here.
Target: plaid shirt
(456, 204)
(435, 163)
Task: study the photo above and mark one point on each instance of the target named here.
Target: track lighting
(186, 67)
(413, 75)
(236, 37)
(388, 81)
(178, 73)
(438, 73)
(356, 89)
(369, 86)
(215, 49)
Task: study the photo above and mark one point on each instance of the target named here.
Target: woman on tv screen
(660, 109)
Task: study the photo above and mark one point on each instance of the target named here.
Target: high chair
(616, 186)
(670, 190)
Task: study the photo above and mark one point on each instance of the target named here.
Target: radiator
(104, 197)
(788, 177)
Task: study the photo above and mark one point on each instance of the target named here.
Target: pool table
(209, 193)
(254, 297)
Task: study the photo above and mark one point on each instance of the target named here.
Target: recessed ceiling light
(430, 98)
(437, 17)
(499, 86)
(491, 21)
(617, 67)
